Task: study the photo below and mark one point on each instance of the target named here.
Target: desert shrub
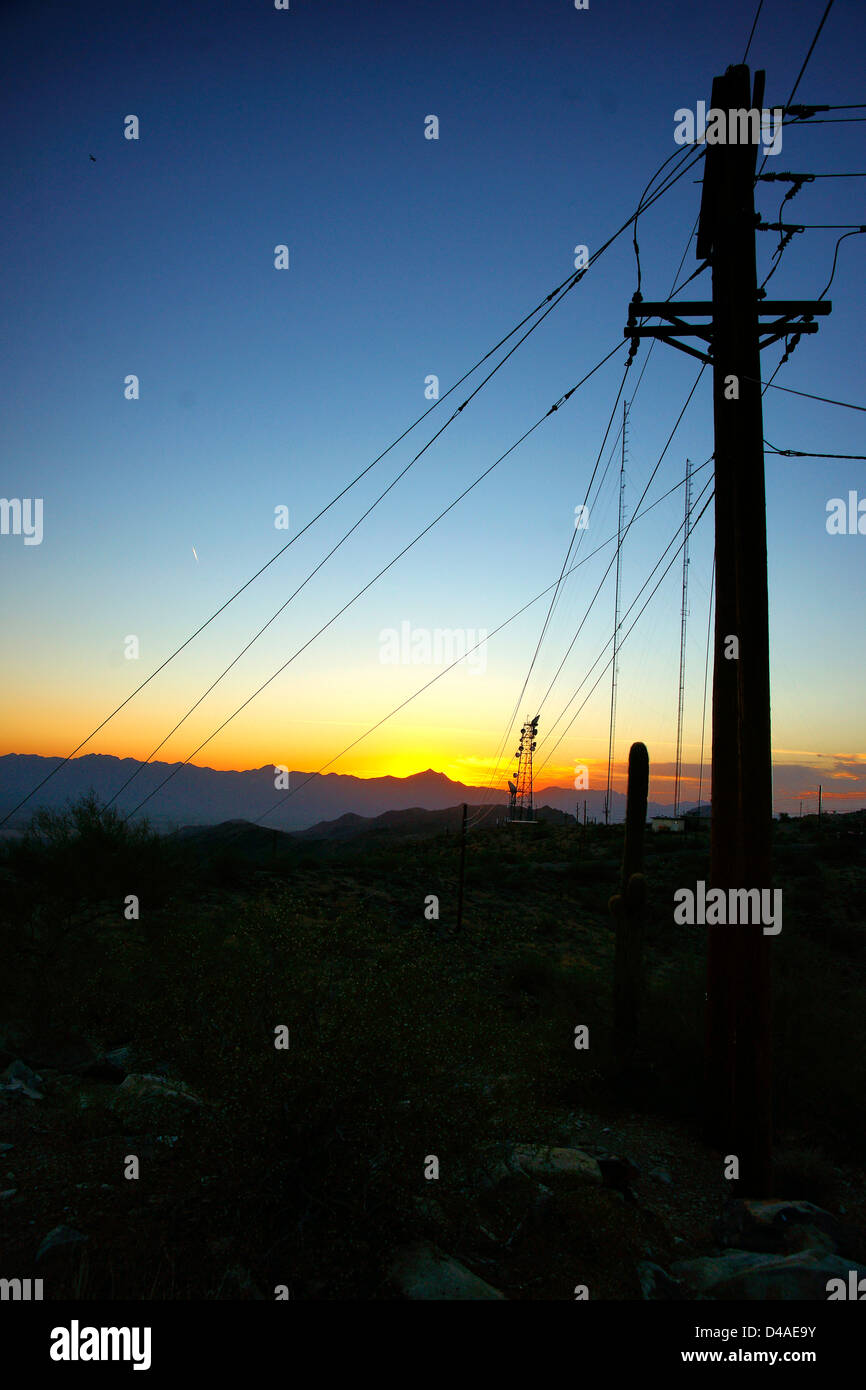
(88, 852)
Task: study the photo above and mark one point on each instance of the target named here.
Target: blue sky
(408, 257)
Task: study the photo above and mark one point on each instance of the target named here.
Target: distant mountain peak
(210, 796)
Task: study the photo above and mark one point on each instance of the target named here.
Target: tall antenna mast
(616, 614)
(683, 638)
(521, 805)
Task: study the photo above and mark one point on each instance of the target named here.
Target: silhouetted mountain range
(259, 844)
(204, 796)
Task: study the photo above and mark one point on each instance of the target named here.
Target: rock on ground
(61, 1241)
(656, 1284)
(19, 1077)
(423, 1272)
(745, 1274)
(780, 1227)
(144, 1099)
(548, 1162)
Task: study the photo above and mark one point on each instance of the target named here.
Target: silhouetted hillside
(204, 796)
(154, 1035)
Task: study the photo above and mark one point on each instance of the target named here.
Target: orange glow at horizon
(398, 749)
(472, 771)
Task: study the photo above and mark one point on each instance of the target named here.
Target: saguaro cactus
(627, 908)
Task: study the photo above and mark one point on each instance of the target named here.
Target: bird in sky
(93, 157)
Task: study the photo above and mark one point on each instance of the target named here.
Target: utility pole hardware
(740, 323)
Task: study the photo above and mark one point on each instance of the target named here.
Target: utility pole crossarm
(776, 319)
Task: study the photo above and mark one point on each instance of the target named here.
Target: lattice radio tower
(520, 806)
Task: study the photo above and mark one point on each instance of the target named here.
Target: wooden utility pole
(819, 800)
(462, 868)
(738, 1023)
(738, 1039)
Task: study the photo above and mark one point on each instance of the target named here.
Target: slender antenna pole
(616, 617)
(706, 669)
(683, 618)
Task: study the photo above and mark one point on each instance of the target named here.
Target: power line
(625, 534)
(695, 273)
(782, 360)
(377, 576)
(560, 291)
(827, 10)
(628, 610)
(835, 120)
(335, 548)
(600, 585)
(662, 166)
(509, 725)
(802, 69)
(564, 573)
(796, 84)
(797, 182)
(786, 232)
(809, 226)
(420, 691)
(807, 178)
(557, 593)
(631, 629)
(858, 232)
(558, 587)
(798, 454)
(752, 30)
(568, 284)
(638, 515)
(820, 25)
(804, 111)
(809, 395)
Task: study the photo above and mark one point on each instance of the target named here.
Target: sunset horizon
(800, 792)
(432, 738)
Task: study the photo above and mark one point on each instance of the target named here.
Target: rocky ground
(433, 1130)
(619, 1207)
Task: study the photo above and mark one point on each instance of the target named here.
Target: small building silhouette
(672, 824)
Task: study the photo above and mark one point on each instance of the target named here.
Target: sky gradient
(263, 388)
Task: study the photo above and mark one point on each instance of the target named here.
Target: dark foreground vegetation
(305, 1167)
